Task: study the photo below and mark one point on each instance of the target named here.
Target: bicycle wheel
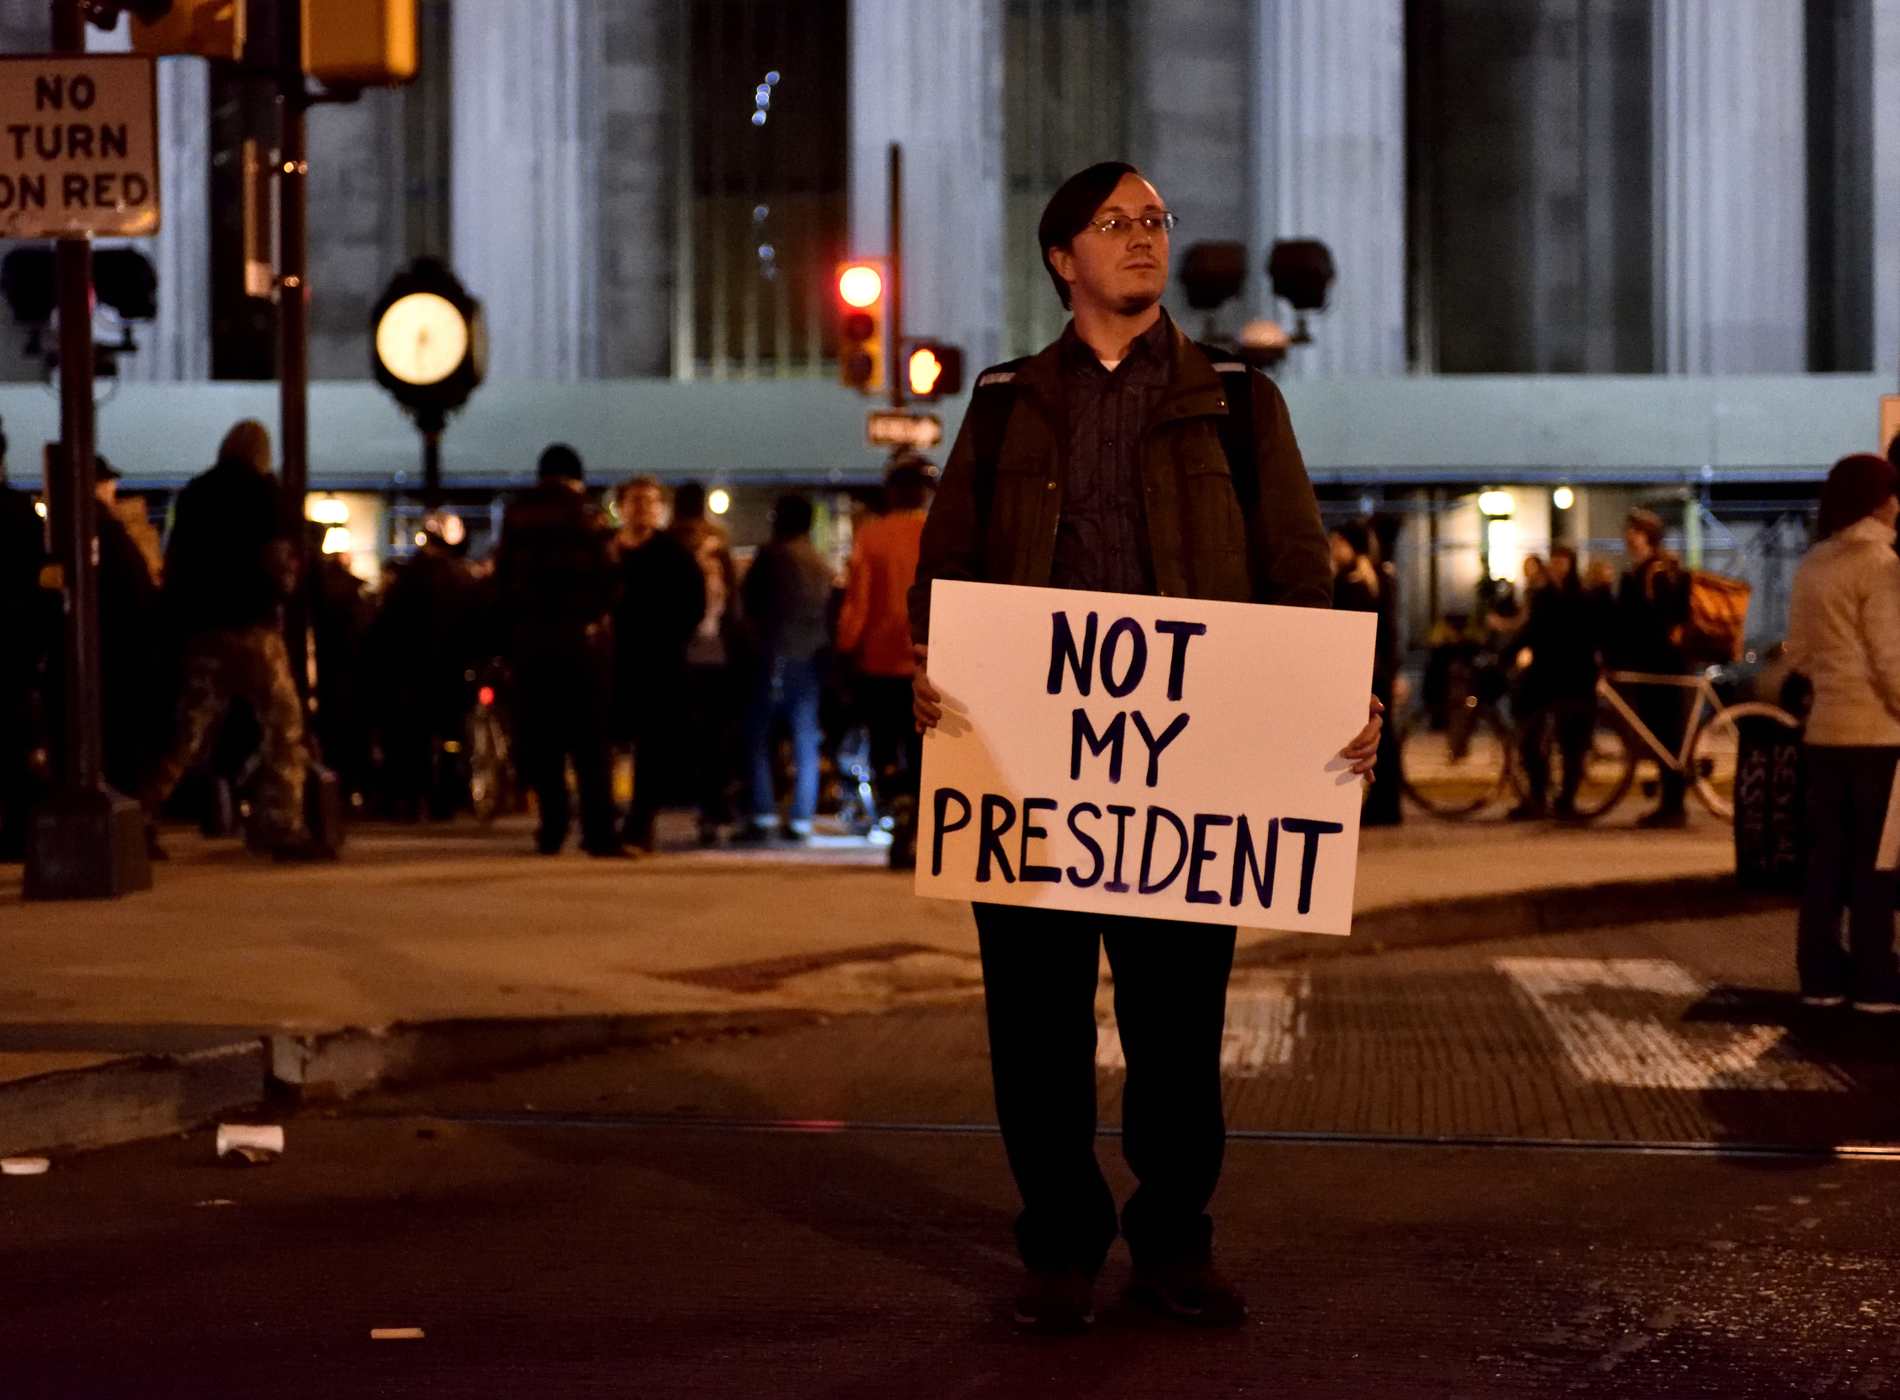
(489, 775)
(1455, 771)
(1713, 751)
(1608, 764)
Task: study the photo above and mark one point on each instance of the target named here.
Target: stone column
(1730, 175)
(1886, 191)
(526, 188)
(931, 76)
(1328, 162)
(638, 112)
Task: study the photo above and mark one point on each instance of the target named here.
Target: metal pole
(87, 842)
(899, 370)
(431, 467)
(75, 507)
(293, 314)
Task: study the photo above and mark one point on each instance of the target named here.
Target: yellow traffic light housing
(208, 28)
(359, 43)
(860, 288)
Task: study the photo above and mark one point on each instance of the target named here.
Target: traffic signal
(861, 326)
(359, 43)
(208, 28)
(934, 371)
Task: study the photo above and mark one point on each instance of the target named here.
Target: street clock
(428, 345)
(428, 342)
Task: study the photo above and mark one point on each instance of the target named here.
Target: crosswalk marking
(1592, 1006)
(1266, 1020)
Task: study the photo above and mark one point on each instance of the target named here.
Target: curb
(1523, 914)
(149, 1096)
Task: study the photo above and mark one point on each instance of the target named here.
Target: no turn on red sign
(78, 146)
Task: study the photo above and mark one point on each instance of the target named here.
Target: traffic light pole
(87, 842)
(894, 354)
(293, 318)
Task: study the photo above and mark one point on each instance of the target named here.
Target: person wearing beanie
(230, 565)
(1652, 609)
(1844, 636)
(555, 578)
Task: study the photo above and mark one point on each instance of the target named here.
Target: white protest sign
(1154, 757)
(78, 146)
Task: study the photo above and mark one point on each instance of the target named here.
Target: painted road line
(1265, 1022)
(1619, 1021)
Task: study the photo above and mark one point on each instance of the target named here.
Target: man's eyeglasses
(1122, 225)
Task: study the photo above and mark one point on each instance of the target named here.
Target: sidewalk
(230, 968)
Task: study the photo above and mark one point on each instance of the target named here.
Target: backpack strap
(1236, 429)
(991, 403)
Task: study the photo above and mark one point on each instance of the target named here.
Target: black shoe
(1565, 810)
(1056, 1304)
(154, 850)
(1526, 811)
(306, 850)
(1664, 819)
(751, 834)
(796, 835)
(612, 851)
(1193, 1292)
(708, 834)
(549, 845)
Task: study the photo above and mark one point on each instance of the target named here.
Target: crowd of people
(628, 630)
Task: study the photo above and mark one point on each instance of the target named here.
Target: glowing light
(860, 285)
(39, 509)
(1497, 504)
(1563, 498)
(485, 696)
(327, 510)
(1505, 548)
(453, 530)
(421, 539)
(338, 540)
(719, 500)
(925, 370)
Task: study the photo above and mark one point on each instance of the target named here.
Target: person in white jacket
(1844, 636)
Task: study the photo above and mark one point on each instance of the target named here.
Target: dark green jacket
(1201, 543)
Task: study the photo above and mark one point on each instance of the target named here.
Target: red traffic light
(860, 285)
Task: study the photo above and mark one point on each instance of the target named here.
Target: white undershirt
(1110, 365)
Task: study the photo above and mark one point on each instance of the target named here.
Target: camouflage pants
(252, 665)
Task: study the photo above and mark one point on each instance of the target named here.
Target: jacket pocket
(1210, 510)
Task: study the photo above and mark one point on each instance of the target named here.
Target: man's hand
(926, 705)
(1363, 751)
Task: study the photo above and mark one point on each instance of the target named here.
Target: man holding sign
(1127, 463)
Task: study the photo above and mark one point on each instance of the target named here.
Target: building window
(762, 206)
(1066, 89)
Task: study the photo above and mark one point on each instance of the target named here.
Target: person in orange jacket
(874, 624)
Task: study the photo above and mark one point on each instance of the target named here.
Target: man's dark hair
(1357, 534)
(642, 482)
(689, 502)
(1646, 523)
(907, 487)
(559, 462)
(1071, 207)
(791, 517)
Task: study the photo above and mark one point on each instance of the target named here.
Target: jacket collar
(1194, 389)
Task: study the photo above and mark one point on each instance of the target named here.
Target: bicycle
(1710, 742)
(1456, 763)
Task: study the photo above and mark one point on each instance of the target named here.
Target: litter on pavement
(253, 1144)
(395, 1334)
(24, 1166)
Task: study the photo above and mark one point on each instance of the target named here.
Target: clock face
(422, 338)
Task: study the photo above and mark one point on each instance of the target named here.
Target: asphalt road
(1444, 1181)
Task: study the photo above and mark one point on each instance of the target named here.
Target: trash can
(1771, 851)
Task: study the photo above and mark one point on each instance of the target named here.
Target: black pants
(896, 746)
(655, 728)
(562, 707)
(711, 738)
(1040, 969)
(1848, 789)
(19, 787)
(1382, 802)
(1570, 719)
(1664, 711)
